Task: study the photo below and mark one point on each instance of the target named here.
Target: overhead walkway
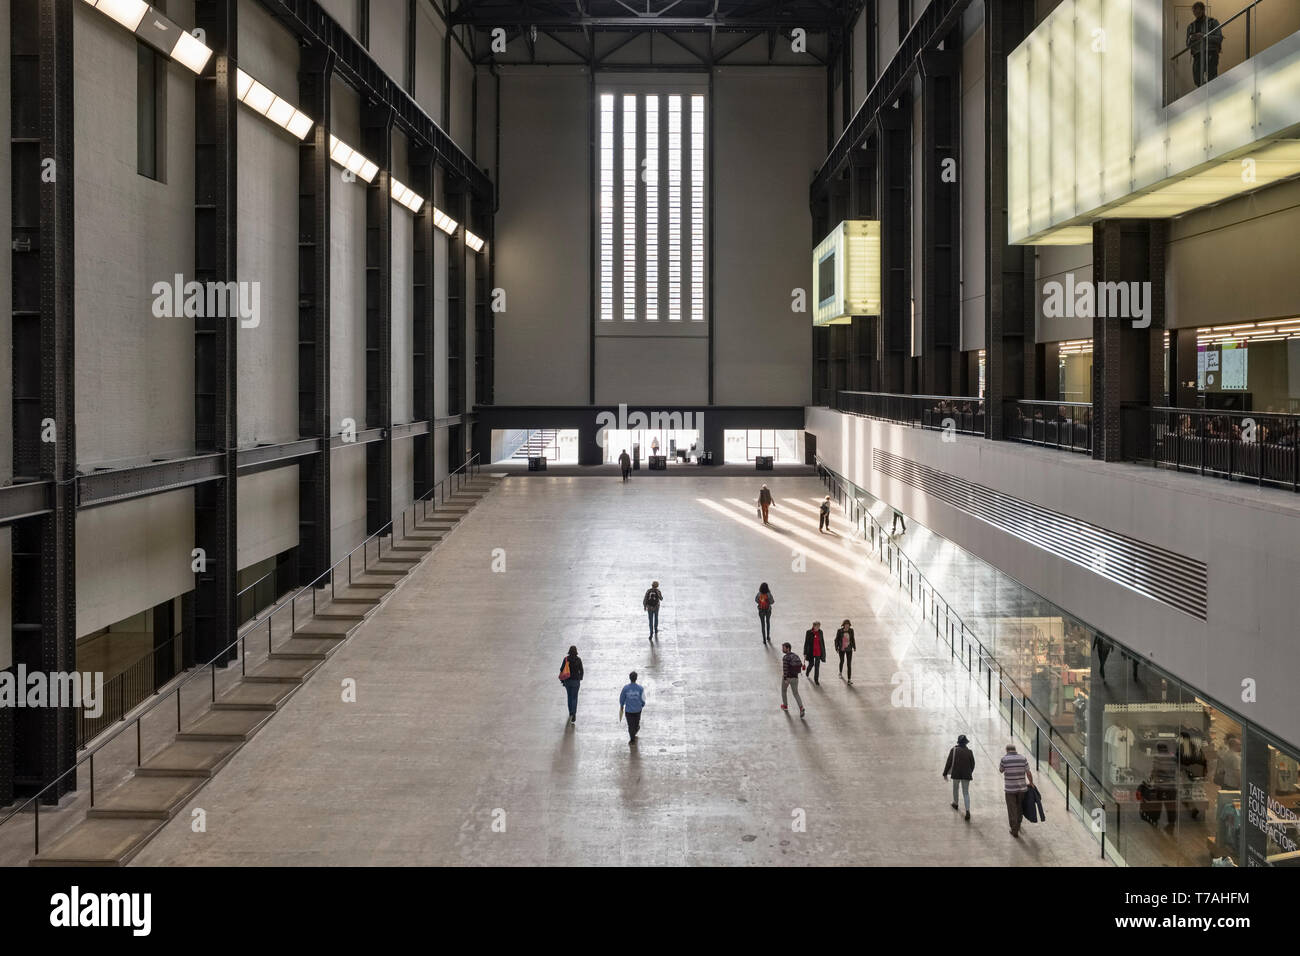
(279, 653)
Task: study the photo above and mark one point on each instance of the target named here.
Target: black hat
(961, 740)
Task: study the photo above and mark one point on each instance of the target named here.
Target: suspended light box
(1089, 136)
(846, 273)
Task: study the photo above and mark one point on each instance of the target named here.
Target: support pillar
(422, 335)
(940, 223)
(894, 135)
(377, 144)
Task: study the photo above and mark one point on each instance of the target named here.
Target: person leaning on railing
(1204, 41)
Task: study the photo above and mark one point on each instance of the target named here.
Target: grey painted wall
(267, 505)
(543, 238)
(1245, 536)
(770, 139)
(429, 33)
(971, 174)
(131, 556)
(388, 37)
(267, 244)
(131, 232)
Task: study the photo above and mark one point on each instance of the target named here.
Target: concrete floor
(457, 749)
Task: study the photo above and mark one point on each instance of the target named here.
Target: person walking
(845, 645)
(824, 521)
(571, 678)
(653, 598)
(625, 464)
(898, 519)
(814, 651)
(1016, 778)
(790, 668)
(764, 502)
(764, 600)
(960, 766)
(631, 700)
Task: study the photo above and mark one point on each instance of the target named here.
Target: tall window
(629, 208)
(652, 206)
(151, 102)
(607, 206)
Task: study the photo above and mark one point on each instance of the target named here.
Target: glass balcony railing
(1231, 32)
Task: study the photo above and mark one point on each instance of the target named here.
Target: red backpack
(764, 601)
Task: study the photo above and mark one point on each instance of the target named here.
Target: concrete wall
(429, 33)
(130, 233)
(267, 506)
(1246, 538)
(267, 244)
(131, 556)
(761, 349)
(345, 12)
(543, 238)
(388, 38)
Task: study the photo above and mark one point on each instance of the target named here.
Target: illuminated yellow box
(846, 273)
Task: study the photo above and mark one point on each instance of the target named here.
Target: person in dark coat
(845, 645)
(571, 678)
(960, 766)
(764, 502)
(814, 651)
(764, 600)
(625, 464)
(790, 669)
(824, 516)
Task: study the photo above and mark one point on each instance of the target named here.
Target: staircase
(541, 443)
(122, 821)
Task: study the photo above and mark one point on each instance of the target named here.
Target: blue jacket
(632, 699)
(1032, 805)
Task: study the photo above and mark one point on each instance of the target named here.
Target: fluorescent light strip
(350, 159)
(407, 196)
(276, 108)
(444, 221)
(473, 241)
(187, 50)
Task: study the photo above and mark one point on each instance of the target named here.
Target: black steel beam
(26, 500)
(723, 24)
(934, 23)
(377, 144)
(315, 68)
(267, 457)
(215, 365)
(940, 223)
(108, 485)
(409, 430)
(364, 437)
(44, 548)
(355, 65)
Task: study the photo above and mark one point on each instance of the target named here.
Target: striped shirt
(1013, 768)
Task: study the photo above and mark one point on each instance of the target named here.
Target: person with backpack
(632, 701)
(960, 766)
(814, 651)
(845, 645)
(791, 667)
(653, 598)
(824, 522)
(765, 501)
(764, 600)
(571, 678)
(625, 464)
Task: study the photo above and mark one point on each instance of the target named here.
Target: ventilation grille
(1164, 576)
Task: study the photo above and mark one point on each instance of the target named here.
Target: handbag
(564, 670)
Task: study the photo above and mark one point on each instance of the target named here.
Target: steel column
(377, 144)
(894, 134)
(422, 337)
(44, 438)
(215, 368)
(315, 174)
(940, 223)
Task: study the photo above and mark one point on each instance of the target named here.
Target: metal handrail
(1015, 693)
(941, 398)
(1219, 29)
(221, 656)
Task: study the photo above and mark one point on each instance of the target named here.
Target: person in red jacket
(790, 670)
(814, 651)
